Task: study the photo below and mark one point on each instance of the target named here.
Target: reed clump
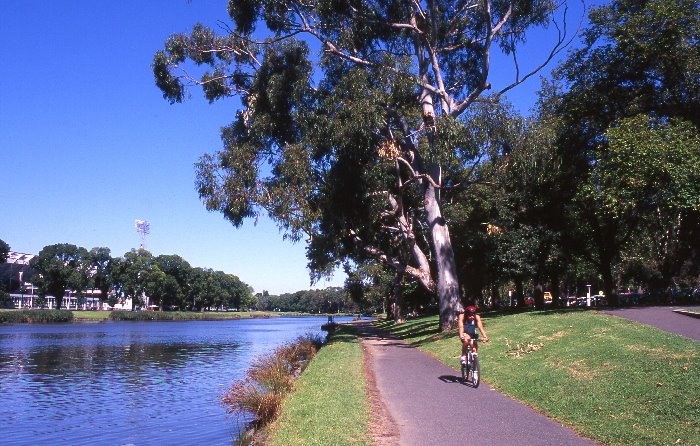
(122, 315)
(35, 316)
(269, 379)
(156, 316)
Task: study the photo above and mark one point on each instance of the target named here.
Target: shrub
(251, 397)
(269, 378)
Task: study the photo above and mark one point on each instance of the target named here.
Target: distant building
(16, 275)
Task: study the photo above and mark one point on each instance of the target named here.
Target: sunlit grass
(81, 315)
(613, 380)
(329, 405)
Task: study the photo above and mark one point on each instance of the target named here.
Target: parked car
(529, 301)
(547, 297)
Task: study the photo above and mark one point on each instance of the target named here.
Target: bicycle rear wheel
(476, 371)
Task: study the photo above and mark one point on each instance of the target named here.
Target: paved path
(431, 406)
(664, 318)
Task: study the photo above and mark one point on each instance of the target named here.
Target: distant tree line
(325, 301)
(169, 281)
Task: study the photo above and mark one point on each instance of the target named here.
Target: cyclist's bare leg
(465, 346)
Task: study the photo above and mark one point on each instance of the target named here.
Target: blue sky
(88, 144)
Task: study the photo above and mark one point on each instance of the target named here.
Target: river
(130, 383)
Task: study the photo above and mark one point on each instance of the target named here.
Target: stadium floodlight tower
(144, 228)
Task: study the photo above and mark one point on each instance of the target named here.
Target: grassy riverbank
(329, 405)
(613, 380)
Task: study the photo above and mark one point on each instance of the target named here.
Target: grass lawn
(329, 405)
(90, 315)
(613, 380)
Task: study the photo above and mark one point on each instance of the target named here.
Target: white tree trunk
(447, 284)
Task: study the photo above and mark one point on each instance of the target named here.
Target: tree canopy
(356, 147)
(640, 63)
(61, 267)
(4, 251)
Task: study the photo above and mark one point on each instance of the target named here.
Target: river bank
(329, 404)
(615, 381)
(56, 316)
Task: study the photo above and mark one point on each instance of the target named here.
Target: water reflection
(129, 382)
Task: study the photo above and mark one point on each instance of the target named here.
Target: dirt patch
(557, 335)
(578, 369)
(382, 426)
(659, 352)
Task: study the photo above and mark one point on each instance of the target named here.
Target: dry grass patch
(578, 369)
(661, 353)
(269, 379)
(552, 337)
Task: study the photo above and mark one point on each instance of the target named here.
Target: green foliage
(648, 166)
(639, 57)
(4, 251)
(630, 94)
(61, 267)
(370, 285)
(348, 148)
(136, 274)
(329, 300)
(100, 275)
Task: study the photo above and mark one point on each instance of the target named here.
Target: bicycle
(471, 371)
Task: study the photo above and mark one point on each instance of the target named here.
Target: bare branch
(422, 275)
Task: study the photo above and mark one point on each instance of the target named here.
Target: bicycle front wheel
(476, 372)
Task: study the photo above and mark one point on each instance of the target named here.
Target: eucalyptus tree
(59, 268)
(100, 271)
(204, 289)
(177, 281)
(236, 292)
(352, 148)
(136, 274)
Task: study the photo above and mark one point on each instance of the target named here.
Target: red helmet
(470, 310)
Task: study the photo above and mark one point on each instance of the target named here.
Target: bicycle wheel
(476, 371)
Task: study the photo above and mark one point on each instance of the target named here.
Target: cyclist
(468, 321)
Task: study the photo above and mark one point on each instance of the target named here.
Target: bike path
(431, 406)
(664, 318)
